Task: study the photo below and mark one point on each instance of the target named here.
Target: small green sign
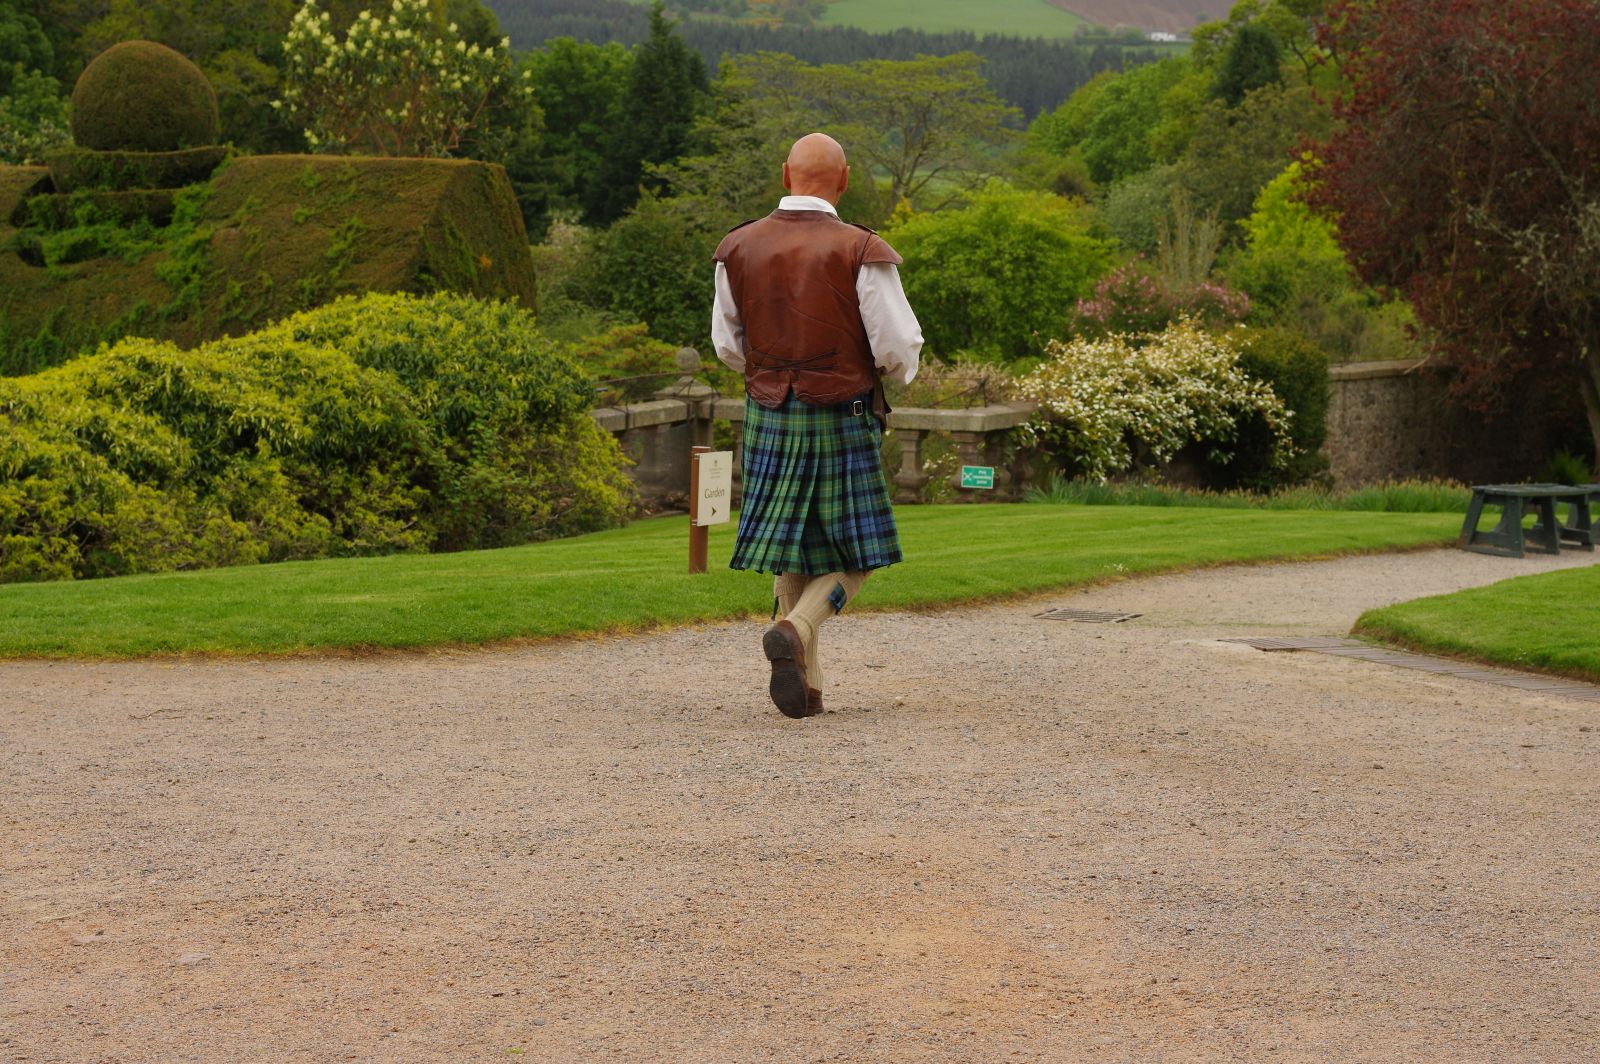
(977, 476)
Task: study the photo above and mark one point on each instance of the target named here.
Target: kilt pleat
(815, 500)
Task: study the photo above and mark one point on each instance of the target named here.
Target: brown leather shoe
(787, 652)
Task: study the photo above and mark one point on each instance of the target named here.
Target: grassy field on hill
(1016, 18)
(1550, 622)
(635, 577)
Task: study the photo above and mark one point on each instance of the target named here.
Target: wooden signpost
(710, 499)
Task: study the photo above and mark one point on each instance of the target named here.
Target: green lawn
(1016, 18)
(634, 577)
(1549, 622)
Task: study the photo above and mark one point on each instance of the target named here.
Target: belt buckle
(858, 408)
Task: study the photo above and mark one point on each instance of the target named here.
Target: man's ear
(844, 180)
(786, 186)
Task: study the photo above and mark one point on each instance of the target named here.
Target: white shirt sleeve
(727, 331)
(892, 328)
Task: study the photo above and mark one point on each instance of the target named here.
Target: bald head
(816, 167)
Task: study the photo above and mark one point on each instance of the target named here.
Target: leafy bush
(958, 383)
(33, 117)
(1132, 209)
(1295, 272)
(386, 423)
(143, 96)
(993, 276)
(654, 266)
(627, 362)
(1132, 299)
(1297, 372)
(1567, 468)
(1133, 402)
(398, 84)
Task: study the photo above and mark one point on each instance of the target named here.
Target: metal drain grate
(1289, 643)
(1062, 613)
(1348, 648)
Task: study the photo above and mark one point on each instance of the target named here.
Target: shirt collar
(806, 203)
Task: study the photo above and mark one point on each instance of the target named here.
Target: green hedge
(372, 425)
(1297, 370)
(266, 236)
(74, 169)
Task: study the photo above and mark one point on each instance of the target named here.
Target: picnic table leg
(1545, 535)
(1510, 527)
(1469, 527)
(1579, 529)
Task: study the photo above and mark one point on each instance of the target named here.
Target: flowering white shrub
(1109, 404)
(394, 86)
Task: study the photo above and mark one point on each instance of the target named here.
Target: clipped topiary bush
(143, 96)
(265, 237)
(373, 425)
(80, 168)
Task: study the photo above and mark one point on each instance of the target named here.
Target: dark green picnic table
(1546, 535)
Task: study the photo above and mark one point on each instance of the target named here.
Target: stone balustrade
(657, 434)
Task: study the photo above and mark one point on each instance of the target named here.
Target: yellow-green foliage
(631, 363)
(265, 237)
(143, 96)
(372, 425)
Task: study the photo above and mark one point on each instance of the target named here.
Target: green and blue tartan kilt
(815, 501)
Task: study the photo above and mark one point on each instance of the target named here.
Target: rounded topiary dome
(143, 96)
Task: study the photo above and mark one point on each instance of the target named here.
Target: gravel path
(1012, 840)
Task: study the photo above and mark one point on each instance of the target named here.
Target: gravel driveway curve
(1012, 839)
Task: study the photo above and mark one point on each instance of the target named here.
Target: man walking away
(811, 310)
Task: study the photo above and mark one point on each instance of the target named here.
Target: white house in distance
(1162, 37)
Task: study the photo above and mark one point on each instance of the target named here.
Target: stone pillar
(994, 454)
(910, 479)
(968, 452)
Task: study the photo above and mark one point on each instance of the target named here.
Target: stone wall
(1394, 420)
(1386, 421)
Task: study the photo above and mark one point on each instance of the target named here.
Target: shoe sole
(788, 684)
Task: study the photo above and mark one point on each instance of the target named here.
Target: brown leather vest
(793, 278)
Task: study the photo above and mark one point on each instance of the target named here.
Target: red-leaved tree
(1465, 173)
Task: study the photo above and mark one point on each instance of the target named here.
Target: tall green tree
(1113, 122)
(734, 167)
(1291, 23)
(931, 126)
(1235, 151)
(1253, 61)
(33, 111)
(999, 275)
(24, 46)
(579, 89)
(666, 88)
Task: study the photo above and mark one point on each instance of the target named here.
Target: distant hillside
(1016, 18)
(1030, 73)
(1173, 16)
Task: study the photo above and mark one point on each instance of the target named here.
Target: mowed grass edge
(1549, 622)
(634, 578)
